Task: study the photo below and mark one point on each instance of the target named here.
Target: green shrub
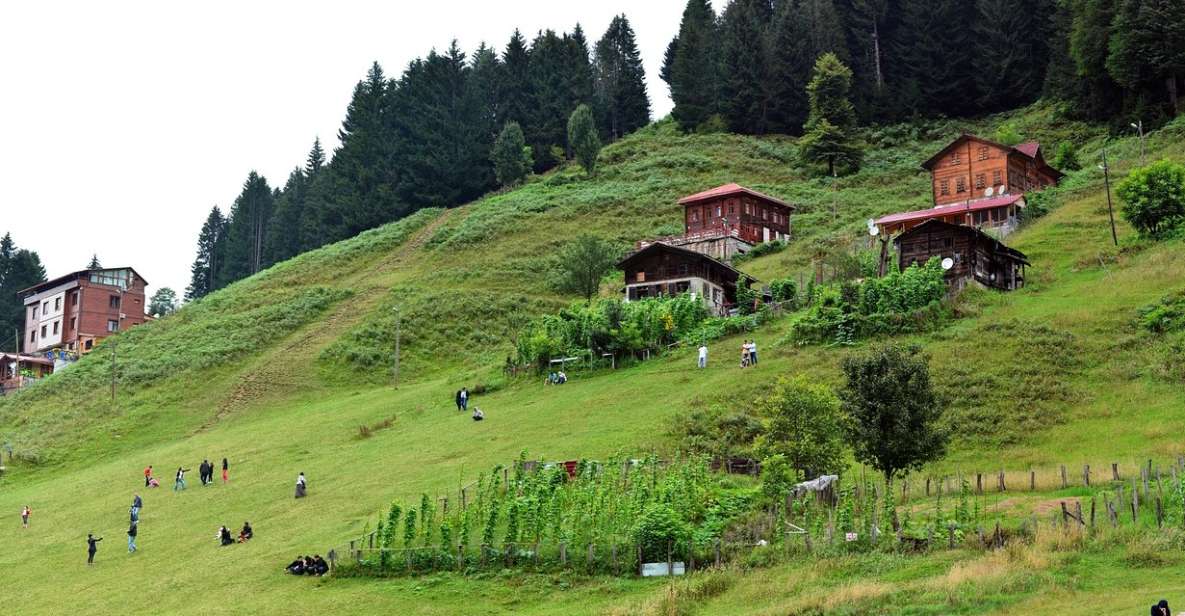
(1154, 198)
(1167, 315)
(785, 290)
(659, 530)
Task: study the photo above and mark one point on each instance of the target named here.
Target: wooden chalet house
(975, 256)
(977, 182)
(661, 269)
(729, 220)
(75, 311)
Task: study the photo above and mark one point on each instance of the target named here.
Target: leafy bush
(609, 326)
(1154, 198)
(785, 290)
(802, 422)
(1167, 315)
(761, 250)
(660, 530)
(903, 301)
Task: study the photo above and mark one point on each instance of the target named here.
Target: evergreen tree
(94, 263)
(825, 32)
(511, 155)
(830, 129)
(516, 101)
(1146, 49)
(316, 158)
(583, 140)
(579, 68)
(246, 233)
(443, 159)
(1090, 35)
(935, 56)
(745, 75)
(1061, 74)
(361, 187)
(1011, 48)
(552, 87)
(789, 70)
(694, 67)
(19, 270)
(204, 273)
(483, 88)
(284, 228)
(621, 100)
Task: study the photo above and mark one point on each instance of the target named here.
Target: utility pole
(1110, 208)
(395, 374)
(112, 372)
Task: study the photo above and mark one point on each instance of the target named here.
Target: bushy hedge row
(903, 301)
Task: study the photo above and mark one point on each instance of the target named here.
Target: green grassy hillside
(277, 373)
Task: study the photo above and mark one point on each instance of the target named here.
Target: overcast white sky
(122, 123)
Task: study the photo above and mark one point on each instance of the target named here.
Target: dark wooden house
(731, 219)
(975, 255)
(663, 270)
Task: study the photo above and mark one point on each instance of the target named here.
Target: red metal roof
(730, 189)
(945, 210)
(1028, 148)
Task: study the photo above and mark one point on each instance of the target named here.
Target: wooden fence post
(1064, 485)
(1092, 512)
(332, 560)
(690, 555)
(1114, 471)
(670, 558)
(1078, 512)
(717, 552)
(979, 483)
(1086, 475)
(1159, 513)
(1135, 500)
(1032, 481)
(927, 487)
(1002, 486)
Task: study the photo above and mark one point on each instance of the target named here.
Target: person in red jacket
(147, 475)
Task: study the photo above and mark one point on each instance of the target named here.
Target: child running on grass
(25, 516)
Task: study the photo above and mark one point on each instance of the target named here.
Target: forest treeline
(425, 138)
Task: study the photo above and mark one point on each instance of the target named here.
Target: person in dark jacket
(132, 530)
(322, 567)
(1162, 609)
(460, 406)
(225, 471)
(224, 537)
(296, 567)
(91, 548)
(247, 533)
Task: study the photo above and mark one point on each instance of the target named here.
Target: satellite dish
(948, 263)
(988, 192)
(874, 231)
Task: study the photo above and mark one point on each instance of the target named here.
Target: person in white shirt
(703, 356)
(753, 352)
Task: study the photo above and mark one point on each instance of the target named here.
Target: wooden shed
(663, 270)
(975, 255)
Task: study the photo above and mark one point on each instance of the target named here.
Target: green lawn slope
(277, 373)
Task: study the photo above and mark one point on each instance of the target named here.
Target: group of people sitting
(308, 565)
(557, 378)
(245, 535)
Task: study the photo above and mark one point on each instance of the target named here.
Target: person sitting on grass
(477, 414)
(310, 566)
(1162, 609)
(296, 567)
(321, 567)
(246, 534)
(224, 537)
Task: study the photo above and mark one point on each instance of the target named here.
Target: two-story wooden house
(729, 220)
(978, 182)
(660, 269)
(974, 255)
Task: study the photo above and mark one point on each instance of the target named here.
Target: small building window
(980, 181)
(56, 324)
(983, 152)
(960, 185)
(34, 313)
(113, 302)
(944, 187)
(73, 323)
(732, 209)
(997, 177)
(719, 212)
(33, 336)
(45, 308)
(44, 329)
(955, 158)
(764, 214)
(89, 344)
(57, 303)
(112, 325)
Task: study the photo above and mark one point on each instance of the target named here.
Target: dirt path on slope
(291, 365)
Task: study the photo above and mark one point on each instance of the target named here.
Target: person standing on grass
(301, 485)
(225, 471)
(703, 356)
(132, 530)
(753, 352)
(25, 516)
(91, 548)
(148, 475)
(464, 398)
(136, 505)
(460, 405)
(179, 484)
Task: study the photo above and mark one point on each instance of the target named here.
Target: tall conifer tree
(694, 68)
(204, 273)
(621, 102)
(745, 70)
(246, 234)
(789, 70)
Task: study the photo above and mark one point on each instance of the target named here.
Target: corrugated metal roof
(945, 210)
(730, 189)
